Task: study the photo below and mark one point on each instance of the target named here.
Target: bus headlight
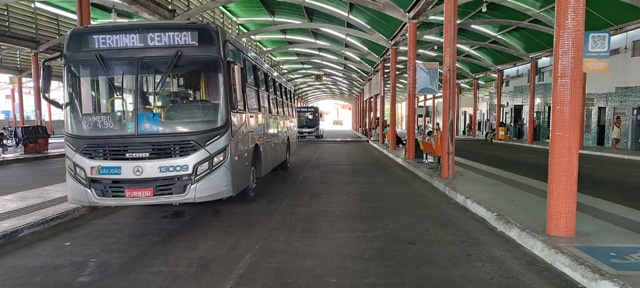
(210, 164)
(69, 165)
(204, 167)
(76, 172)
(82, 176)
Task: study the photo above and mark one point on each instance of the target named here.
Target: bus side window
(274, 97)
(237, 95)
(288, 106)
(264, 95)
(253, 104)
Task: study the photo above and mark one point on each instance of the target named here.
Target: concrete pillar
(474, 126)
(20, 99)
(393, 105)
(411, 89)
(447, 139)
(567, 95)
(50, 119)
(533, 67)
(13, 106)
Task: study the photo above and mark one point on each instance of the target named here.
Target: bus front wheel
(284, 166)
(249, 193)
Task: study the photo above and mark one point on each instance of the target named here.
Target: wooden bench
(435, 151)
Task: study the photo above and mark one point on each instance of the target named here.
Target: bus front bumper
(214, 186)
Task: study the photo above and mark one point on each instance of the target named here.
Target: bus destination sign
(142, 39)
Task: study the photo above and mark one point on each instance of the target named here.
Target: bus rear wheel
(248, 194)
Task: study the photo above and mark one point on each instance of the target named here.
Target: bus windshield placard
(138, 39)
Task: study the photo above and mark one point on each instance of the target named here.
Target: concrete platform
(25, 212)
(602, 255)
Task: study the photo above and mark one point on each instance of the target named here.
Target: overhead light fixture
(484, 5)
(54, 10)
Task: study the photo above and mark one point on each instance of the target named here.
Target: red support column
(393, 105)
(83, 12)
(498, 104)
(474, 126)
(533, 67)
(363, 113)
(435, 111)
(368, 118)
(424, 114)
(582, 108)
(374, 112)
(562, 197)
(381, 133)
(13, 106)
(410, 149)
(20, 99)
(358, 111)
(447, 139)
(35, 75)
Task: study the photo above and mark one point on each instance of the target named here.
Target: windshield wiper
(172, 63)
(106, 73)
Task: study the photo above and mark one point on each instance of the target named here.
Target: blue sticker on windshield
(149, 123)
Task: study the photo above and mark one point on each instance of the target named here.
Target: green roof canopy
(344, 40)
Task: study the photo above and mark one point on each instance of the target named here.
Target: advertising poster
(427, 74)
(596, 52)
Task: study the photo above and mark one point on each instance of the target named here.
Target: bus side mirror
(46, 75)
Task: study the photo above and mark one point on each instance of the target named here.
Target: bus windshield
(308, 119)
(148, 96)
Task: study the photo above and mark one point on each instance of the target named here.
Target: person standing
(520, 128)
(615, 134)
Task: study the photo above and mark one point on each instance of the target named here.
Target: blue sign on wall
(619, 258)
(597, 45)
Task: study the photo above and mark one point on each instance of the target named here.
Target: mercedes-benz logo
(137, 170)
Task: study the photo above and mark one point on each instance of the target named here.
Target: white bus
(167, 113)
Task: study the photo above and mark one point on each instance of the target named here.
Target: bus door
(254, 119)
(239, 144)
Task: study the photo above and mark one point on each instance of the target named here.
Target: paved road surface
(344, 216)
(19, 177)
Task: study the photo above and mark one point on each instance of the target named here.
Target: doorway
(634, 139)
(517, 117)
(602, 121)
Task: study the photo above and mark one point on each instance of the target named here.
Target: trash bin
(502, 135)
(34, 139)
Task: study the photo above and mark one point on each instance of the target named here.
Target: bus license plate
(138, 192)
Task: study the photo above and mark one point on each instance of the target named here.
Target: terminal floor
(343, 216)
(612, 179)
